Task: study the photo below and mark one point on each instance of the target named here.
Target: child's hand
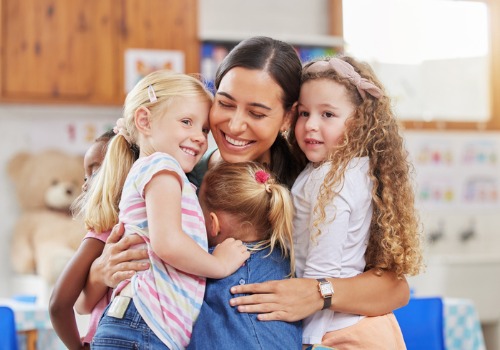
(85, 346)
(231, 254)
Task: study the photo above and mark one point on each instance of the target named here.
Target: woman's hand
(117, 262)
(296, 298)
(286, 300)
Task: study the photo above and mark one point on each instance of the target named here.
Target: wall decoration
(213, 52)
(456, 171)
(141, 62)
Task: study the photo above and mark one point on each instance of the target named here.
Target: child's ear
(214, 225)
(142, 120)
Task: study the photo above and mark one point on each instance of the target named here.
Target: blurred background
(65, 67)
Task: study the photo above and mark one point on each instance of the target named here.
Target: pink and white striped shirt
(169, 300)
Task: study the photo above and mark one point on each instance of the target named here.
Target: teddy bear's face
(60, 194)
(50, 179)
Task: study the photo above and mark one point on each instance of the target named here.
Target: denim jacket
(221, 326)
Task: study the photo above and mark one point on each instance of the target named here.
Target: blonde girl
(245, 202)
(166, 117)
(354, 200)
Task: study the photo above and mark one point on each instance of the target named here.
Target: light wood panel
(47, 46)
(59, 51)
(160, 24)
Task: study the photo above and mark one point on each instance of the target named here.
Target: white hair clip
(152, 94)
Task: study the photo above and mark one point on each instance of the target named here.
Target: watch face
(326, 289)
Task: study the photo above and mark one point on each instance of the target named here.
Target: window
(433, 56)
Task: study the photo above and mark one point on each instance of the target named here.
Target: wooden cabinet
(59, 51)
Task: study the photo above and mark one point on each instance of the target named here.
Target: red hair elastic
(261, 176)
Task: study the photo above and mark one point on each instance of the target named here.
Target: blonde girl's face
(323, 109)
(247, 115)
(182, 130)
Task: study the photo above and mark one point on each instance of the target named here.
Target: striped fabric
(169, 300)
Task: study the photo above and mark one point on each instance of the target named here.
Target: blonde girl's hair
(264, 204)
(99, 206)
(373, 131)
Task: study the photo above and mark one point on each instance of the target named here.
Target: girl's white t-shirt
(340, 248)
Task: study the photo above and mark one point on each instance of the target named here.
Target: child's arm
(116, 263)
(67, 289)
(172, 245)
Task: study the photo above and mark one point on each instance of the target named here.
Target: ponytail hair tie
(261, 176)
(120, 129)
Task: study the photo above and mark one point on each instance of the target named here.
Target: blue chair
(8, 338)
(422, 324)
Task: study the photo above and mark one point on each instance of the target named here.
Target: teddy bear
(46, 235)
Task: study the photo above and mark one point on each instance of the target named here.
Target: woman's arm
(369, 294)
(115, 264)
(66, 291)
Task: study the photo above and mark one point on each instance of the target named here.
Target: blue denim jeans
(220, 326)
(129, 332)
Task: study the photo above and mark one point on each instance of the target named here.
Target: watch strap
(327, 299)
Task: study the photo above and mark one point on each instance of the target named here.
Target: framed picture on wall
(141, 62)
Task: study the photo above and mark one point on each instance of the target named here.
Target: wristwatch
(326, 291)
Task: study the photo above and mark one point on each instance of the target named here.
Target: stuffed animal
(45, 236)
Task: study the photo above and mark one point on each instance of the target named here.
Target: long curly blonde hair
(373, 131)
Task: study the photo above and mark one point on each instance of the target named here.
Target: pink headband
(345, 70)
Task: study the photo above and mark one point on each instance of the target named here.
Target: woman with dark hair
(258, 85)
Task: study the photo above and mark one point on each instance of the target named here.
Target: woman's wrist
(316, 301)
(96, 274)
(325, 289)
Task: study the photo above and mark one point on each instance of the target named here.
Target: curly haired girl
(354, 201)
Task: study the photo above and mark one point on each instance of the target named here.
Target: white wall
(459, 175)
(260, 17)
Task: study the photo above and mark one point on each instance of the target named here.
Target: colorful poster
(456, 171)
(141, 62)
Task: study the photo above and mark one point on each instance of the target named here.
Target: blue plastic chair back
(8, 335)
(422, 324)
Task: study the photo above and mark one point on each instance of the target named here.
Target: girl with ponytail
(245, 202)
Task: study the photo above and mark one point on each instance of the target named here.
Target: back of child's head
(105, 137)
(248, 192)
(155, 92)
(373, 131)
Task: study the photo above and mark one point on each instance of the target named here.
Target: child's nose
(199, 137)
(312, 123)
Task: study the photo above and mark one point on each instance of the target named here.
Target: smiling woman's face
(247, 115)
